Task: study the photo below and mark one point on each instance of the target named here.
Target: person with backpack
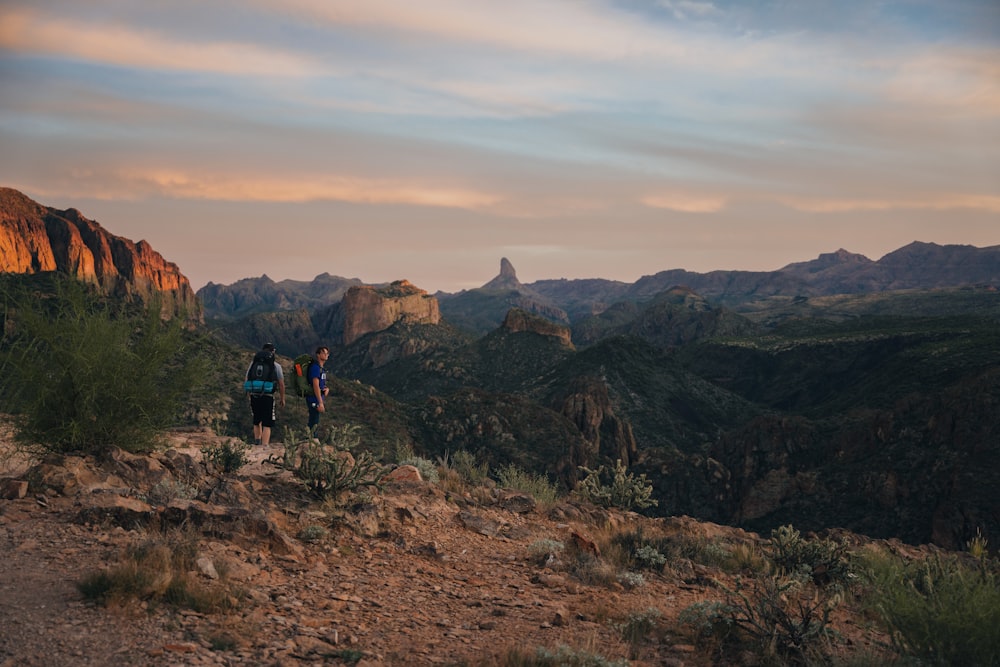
(316, 377)
(264, 377)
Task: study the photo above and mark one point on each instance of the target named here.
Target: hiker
(263, 377)
(319, 390)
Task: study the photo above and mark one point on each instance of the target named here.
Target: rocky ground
(413, 575)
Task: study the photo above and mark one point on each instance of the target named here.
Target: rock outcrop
(587, 404)
(518, 320)
(506, 279)
(368, 309)
(38, 239)
(482, 310)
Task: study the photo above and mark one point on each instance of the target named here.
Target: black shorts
(262, 407)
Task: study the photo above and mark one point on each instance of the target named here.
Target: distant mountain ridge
(915, 266)
(260, 295)
(39, 239)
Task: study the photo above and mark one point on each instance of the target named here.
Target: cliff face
(518, 320)
(36, 239)
(368, 309)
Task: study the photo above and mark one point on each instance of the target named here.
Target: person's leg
(313, 420)
(267, 423)
(255, 411)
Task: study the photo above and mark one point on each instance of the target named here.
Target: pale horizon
(580, 139)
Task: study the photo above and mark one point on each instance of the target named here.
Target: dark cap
(268, 346)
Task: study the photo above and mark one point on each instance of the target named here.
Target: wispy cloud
(686, 202)
(586, 29)
(986, 203)
(132, 183)
(37, 33)
(965, 81)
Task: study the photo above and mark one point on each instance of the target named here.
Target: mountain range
(839, 392)
(915, 266)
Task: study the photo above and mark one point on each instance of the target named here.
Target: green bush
(631, 580)
(465, 464)
(649, 557)
(624, 489)
(85, 374)
(781, 617)
(426, 468)
(942, 610)
(228, 456)
(638, 625)
(330, 469)
(546, 549)
(539, 486)
(825, 561)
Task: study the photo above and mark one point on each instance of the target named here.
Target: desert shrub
(782, 617)
(623, 490)
(593, 570)
(942, 610)
(312, 533)
(400, 451)
(539, 486)
(746, 557)
(170, 489)
(624, 547)
(470, 469)
(426, 467)
(563, 656)
(638, 624)
(978, 546)
(460, 473)
(545, 550)
(159, 569)
(711, 621)
(86, 374)
(631, 580)
(824, 560)
(650, 558)
(228, 456)
(654, 552)
(331, 469)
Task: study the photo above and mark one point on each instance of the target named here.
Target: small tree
(86, 374)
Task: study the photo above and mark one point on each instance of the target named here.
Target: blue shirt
(315, 371)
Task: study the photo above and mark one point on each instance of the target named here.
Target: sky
(392, 139)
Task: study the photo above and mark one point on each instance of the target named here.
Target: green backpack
(300, 375)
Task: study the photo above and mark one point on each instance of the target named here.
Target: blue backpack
(261, 378)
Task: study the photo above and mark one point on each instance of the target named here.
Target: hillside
(419, 573)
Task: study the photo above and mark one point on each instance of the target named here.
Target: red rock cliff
(36, 238)
(367, 309)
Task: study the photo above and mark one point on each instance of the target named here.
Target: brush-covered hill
(880, 424)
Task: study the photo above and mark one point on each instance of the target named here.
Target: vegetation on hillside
(84, 374)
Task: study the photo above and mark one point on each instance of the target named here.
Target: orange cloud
(686, 202)
(307, 188)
